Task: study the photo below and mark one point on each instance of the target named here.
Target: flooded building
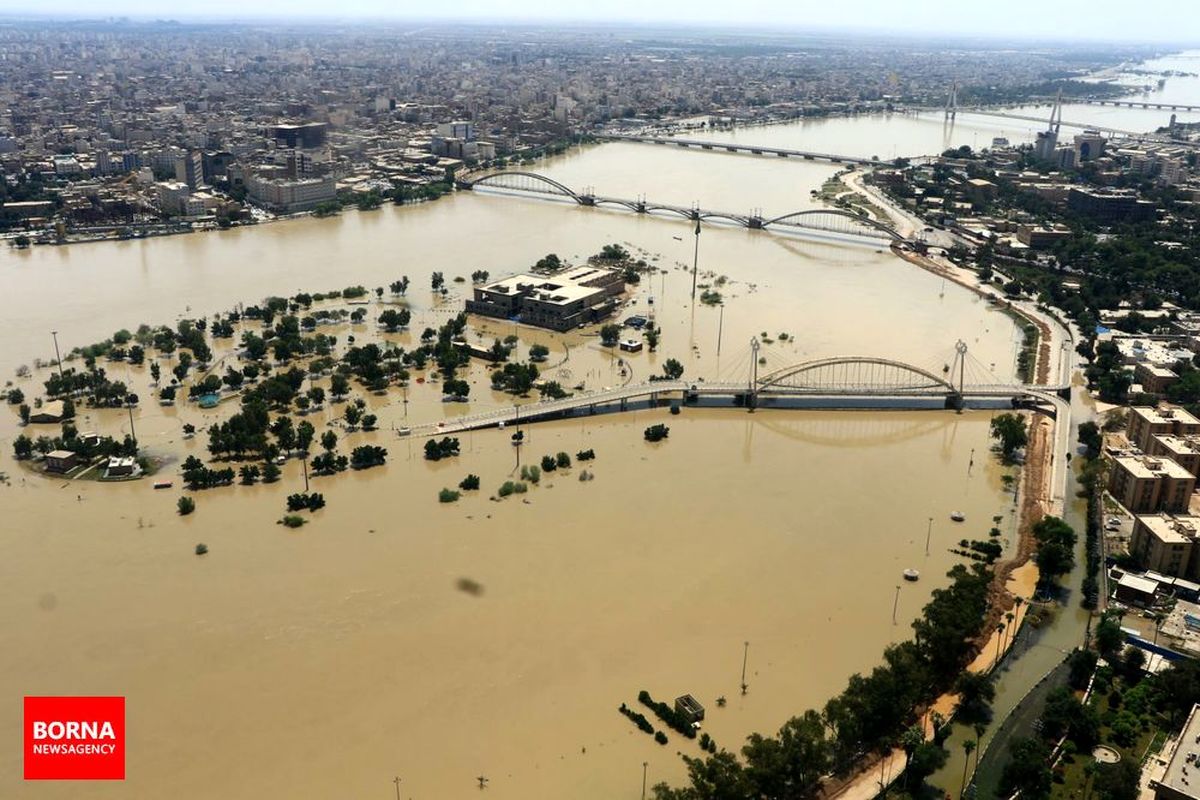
(61, 461)
(560, 302)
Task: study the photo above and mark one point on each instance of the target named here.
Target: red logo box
(74, 738)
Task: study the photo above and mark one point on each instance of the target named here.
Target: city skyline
(1020, 19)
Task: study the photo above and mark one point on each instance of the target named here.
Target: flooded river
(325, 661)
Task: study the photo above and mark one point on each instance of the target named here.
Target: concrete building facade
(1146, 485)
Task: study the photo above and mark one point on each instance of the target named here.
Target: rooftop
(1178, 529)
(1164, 416)
(1151, 467)
(1177, 777)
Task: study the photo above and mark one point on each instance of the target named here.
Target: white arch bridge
(847, 382)
(819, 220)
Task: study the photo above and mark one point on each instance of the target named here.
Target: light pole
(745, 655)
(304, 461)
(57, 357)
(396, 780)
(645, 764)
(720, 327)
(928, 533)
(896, 604)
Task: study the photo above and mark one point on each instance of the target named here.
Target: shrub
(469, 483)
(585, 455)
(186, 506)
(201, 549)
(448, 496)
(660, 737)
(292, 521)
(638, 719)
(656, 433)
(549, 464)
(562, 460)
(506, 488)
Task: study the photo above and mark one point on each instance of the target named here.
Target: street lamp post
(645, 764)
(57, 357)
(745, 655)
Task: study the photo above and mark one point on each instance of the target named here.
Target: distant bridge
(822, 220)
(734, 147)
(1157, 106)
(844, 382)
(991, 112)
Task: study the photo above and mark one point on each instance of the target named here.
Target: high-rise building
(1043, 148)
(189, 168)
(1089, 145)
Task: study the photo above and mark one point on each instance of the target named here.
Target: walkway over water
(849, 382)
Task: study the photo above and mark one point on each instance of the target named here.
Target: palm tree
(1009, 617)
(910, 740)
(979, 730)
(999, 630)
(968, 746)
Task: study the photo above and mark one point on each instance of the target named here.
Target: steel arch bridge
(854, 375)
(819, 215)
(823, 220)
(524, 182)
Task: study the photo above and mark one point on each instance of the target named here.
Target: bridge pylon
(752, 395)
(952, 102)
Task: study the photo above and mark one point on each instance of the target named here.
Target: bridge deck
(605, 399)
(738, 147)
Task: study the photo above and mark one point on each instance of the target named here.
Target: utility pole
(645, 764)
(745, 655)
(928, 533)
(696, 256)
(304, 461)
(896, 604)
(396, 780)
(132, 432)
(57, 357)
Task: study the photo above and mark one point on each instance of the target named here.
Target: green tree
(329, 441)
(610, 334)
(1009, 429)
(673, 369)
(976, 691)
(304, 435)
(186, 505)
(22, 447)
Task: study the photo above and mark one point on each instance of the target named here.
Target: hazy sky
(1147, 20)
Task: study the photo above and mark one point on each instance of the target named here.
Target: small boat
(163, 484)
(404, 431)
(911, 574)
(677, 238)
(957, 516)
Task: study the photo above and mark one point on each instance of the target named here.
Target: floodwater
(325, 661)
